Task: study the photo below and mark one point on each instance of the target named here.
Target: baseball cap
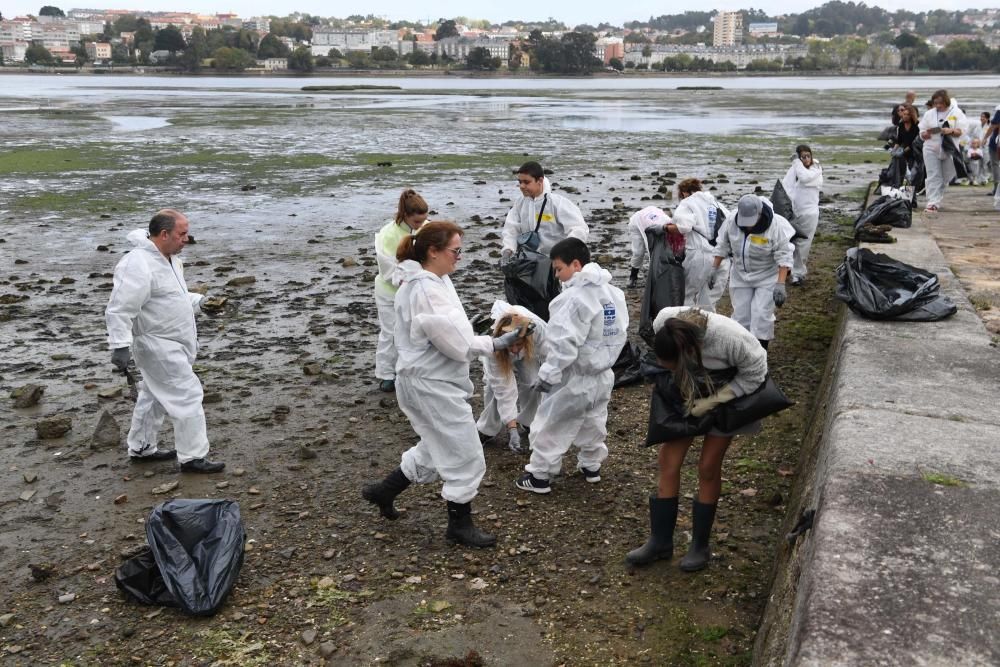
(748, 210)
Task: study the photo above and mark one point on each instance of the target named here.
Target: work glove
(505, 257)
(711, 280)
(514, 440)
(780, 294)
(541, 386)
(120, 357)
(506, 340)
(703, 405)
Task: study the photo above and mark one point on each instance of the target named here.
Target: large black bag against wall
(196, 549)
(530, 282)
(879, 287)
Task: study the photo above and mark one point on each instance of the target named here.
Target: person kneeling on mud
(585, 334)
(696, 347)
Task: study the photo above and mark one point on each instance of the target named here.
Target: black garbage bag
(627, 368)
(782, 203)
(879, 287)
(766, 400)
(197, 546)
(664, 280)
(885, 210)
(530, 282)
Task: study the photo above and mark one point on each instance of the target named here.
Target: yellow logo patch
(548, 217)
(758, 240)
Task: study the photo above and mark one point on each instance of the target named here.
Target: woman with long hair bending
(712, 360)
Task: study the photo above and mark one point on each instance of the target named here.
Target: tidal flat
(288, 188)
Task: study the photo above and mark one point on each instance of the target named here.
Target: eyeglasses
(457, 252)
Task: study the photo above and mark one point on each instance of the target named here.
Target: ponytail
(409, 203)
(679, 342)
(431, 235)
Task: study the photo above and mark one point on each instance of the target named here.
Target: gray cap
(748, 210)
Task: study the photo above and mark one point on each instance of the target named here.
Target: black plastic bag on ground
(140, 578)
(627, 368)
(197, 546)
(781, 202)
(879, 287)
(885, 210)
(530, 282)
(664, 281)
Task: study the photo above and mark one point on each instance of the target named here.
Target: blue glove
(120, 357)
(541, 386)
(506, 340)
(780, 295)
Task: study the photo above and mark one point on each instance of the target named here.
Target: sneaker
(931, 208)
(592, 476)
(528, 482)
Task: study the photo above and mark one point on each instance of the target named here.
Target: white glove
(703, 405)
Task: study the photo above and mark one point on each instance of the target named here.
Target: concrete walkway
(902, 566)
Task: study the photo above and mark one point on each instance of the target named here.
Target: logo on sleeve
(610, 319)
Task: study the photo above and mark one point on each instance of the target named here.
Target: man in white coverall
(538, 208)
(802, 183)
(585, 334)
(152, 312)
(760, 242)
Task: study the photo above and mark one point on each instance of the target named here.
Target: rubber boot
(384, 492)
(462, 530)
(633, 279)
(660, 545)
(763, 343)
(697, 557)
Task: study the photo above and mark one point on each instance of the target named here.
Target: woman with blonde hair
(435, 342)
(411, 212)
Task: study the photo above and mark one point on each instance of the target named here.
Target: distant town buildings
(728, 29)
(763, 29)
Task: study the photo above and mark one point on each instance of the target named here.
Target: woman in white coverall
(410, 214)
(637, 224)
(538, 208)
(691, 343)
(760, 242)
(508, 375)
(943, 122)
(152, 311)
(802, 183)
(696, 217)
(435, 342)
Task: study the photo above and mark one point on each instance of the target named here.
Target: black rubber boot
(462, 530)
(633, 279)
(763, 343)
(384, 492)
(660, 545)
(702, 518)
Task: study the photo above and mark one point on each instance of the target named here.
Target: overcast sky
(571, 12)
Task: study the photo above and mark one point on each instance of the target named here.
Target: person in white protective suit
(152, 312)
(508, 401)
(760, 242)
(943, 122)
(585, 334)
(410, 214)
(802, 183)
(637, 225)
(550, 215)
(435, 342)
(698, 217)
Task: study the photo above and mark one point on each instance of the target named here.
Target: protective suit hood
(139, 238)
(406, 271)
(591, 274)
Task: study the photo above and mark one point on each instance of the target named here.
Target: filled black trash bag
(879, 287)
(140, 578)
(530, 282)
(766, 400)
(198, 549)
(885, 210)
(782, 203)
(664, 280)
(627, 368)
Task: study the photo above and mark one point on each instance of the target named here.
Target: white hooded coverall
(637, 224)
(586, 332)
(561, 219)
(152, 312)
(937, 161)
(509, 398)
(756, 259)
(694, 218)
(386, 243)
(802, 186)
(435, 343)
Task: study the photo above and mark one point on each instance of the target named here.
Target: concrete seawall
(902, 565)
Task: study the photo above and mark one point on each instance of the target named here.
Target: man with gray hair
(152, 312)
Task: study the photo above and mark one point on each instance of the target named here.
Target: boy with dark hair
(539, 209)
(586, 332)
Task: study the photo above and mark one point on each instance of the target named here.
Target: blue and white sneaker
(592, 476)
(528, 482)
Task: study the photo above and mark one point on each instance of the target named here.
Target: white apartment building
(344, 41)
(13, 52)
(728, 29)
(261, 24)
(458, 48)
(98, 51)
(763, 29)
(741, 56)
(15, 31)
